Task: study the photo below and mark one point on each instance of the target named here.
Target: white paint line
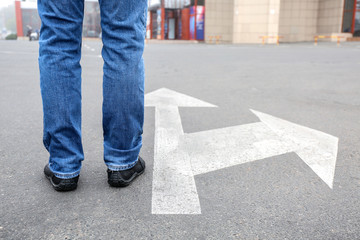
(11, 52)
(178, 156)
(89, 55)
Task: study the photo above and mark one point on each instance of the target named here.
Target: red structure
(19, 23)
(196, 1)
(185, 23)
(162, 37)
(176, 19)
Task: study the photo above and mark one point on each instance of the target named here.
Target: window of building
(351, 17)
(357, 20)
(357, 24)
(348, 16)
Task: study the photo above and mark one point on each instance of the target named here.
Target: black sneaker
(60, 184)
(123, 178)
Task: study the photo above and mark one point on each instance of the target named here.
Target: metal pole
(195, 18)
(150, 25)
(162, 20)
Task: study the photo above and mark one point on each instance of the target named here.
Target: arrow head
(317, 149)
(167, 97)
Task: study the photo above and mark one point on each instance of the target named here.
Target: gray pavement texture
(274, 198)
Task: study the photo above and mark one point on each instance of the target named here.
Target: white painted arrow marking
(317, 149)
(179, 156)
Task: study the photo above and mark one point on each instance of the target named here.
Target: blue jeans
(123, 24)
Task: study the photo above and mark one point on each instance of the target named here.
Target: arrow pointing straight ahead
(174, 189)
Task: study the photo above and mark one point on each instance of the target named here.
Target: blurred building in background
(244, 21)
(7, 21)
(227, 21)
(27, 18)
(176, 19)
(91, 22)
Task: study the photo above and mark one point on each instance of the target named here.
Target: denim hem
(121, 167)
(65, 175)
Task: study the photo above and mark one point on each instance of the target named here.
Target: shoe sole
(63, 186)
(125, 183)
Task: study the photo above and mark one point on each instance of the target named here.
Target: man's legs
(123, 31)
(60, 81)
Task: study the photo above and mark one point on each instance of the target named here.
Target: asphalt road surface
(278, 197)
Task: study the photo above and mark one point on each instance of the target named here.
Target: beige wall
(244, 21)
(298, 20)
(330, 16)
(253, 19)
(219, 20)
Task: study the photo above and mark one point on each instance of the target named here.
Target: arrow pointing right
(317, 149)
(225, 147)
